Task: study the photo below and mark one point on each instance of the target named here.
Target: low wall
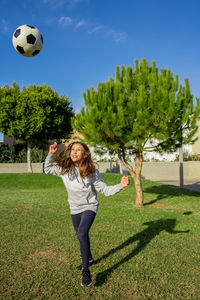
(159, 170)
(20, 168)
(171, 170)
(150, 170)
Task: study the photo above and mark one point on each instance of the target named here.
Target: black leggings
(82, 223)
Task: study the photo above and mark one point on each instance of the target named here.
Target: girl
(76, 168)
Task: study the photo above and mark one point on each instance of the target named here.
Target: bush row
(18, 154)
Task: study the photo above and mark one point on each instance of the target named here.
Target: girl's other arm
(109, 190)
(124, 181)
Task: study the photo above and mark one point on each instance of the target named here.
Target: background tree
(141, 110)
(35, 114)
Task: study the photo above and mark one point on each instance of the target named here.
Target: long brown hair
(86, 165)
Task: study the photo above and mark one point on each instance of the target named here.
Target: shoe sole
(87, 284)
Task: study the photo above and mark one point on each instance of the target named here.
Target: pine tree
(138, 108)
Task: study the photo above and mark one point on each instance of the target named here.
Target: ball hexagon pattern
(27, 40)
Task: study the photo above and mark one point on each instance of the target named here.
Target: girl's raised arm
(50, 167)
(53, 148)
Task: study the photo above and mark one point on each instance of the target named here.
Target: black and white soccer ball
(27, 40)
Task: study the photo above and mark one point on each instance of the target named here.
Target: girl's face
(77, 153)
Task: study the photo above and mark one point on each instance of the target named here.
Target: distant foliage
(188, 157)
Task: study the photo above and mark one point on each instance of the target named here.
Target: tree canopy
(35, 114)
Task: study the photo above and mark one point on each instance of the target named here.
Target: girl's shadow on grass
(144, 237)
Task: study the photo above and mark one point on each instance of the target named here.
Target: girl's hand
(124, 181)
(53, 148)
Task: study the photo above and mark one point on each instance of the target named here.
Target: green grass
(141, 253)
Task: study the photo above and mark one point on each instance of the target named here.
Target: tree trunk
(136, 175)
(30, 170)
(137, 180)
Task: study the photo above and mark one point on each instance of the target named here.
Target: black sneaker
(91, 263)
(86, 278)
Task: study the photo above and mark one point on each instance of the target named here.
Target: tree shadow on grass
(164, 191)
(144, 238)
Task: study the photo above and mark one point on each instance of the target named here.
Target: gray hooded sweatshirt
(82, 193)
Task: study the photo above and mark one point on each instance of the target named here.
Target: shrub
(7, 154)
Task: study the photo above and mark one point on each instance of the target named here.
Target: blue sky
(84, 41)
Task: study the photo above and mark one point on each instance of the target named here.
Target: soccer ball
(27, 40)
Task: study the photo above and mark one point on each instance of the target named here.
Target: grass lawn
(151, 252)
